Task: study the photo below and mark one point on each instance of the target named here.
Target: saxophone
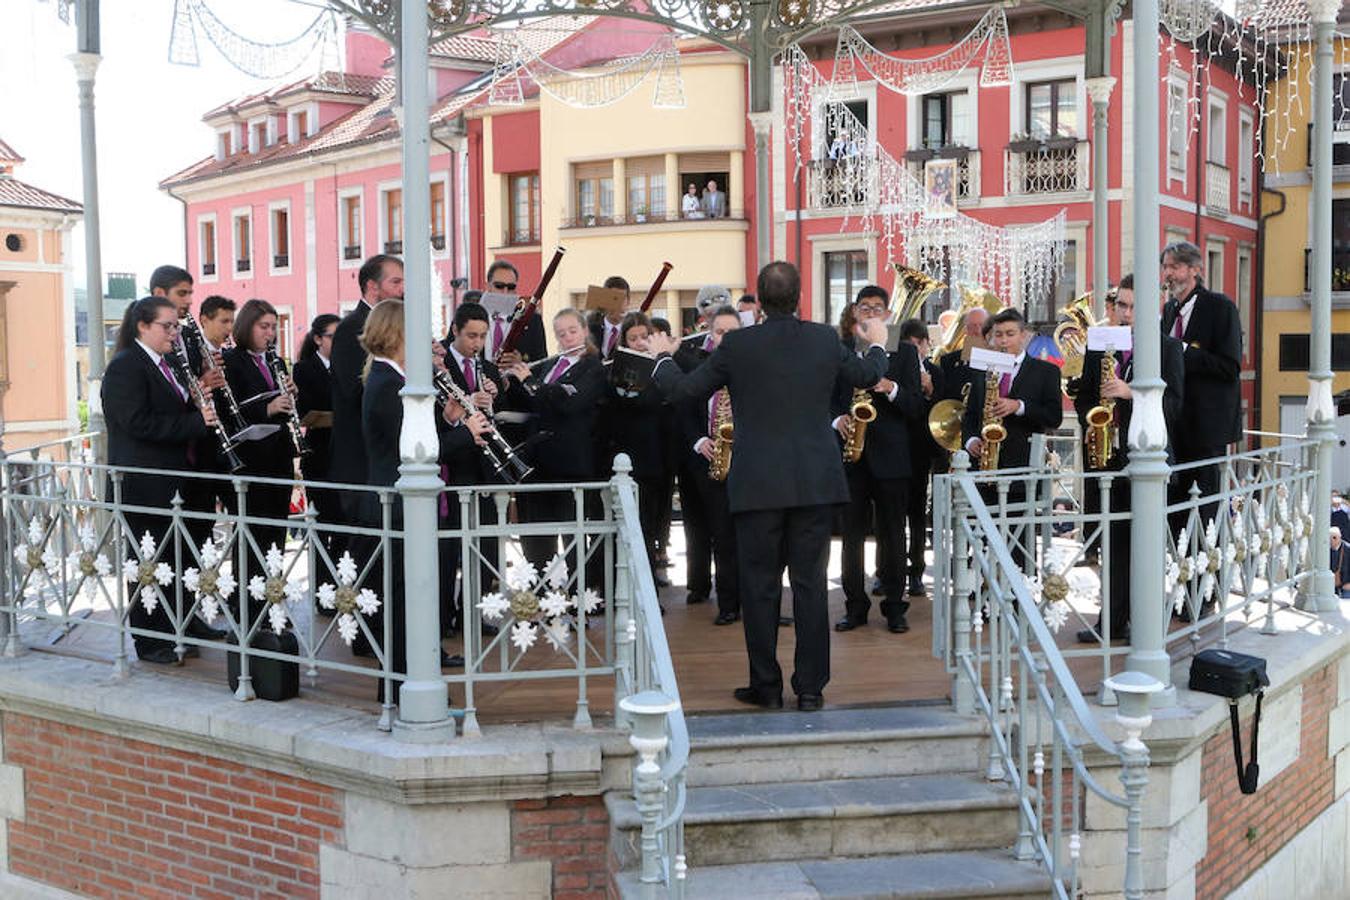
(1100, 437)
(722, 437)
(860, 412)
(992, 431)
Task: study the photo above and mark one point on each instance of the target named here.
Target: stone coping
(330, 744)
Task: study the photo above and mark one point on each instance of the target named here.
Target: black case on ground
(1228, 674)
(273, 679)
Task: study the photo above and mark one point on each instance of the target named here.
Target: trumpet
(860, 412)
(724, 434)
(1101, 433)
(283, 381)
(992, 430)
(182, 367)
(505, 461)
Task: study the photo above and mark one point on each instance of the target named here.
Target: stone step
(823, 819)
(967, 874)
(751, 748)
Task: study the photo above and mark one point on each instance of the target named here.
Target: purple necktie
(168, 373)
(708, 344)
(1005, 384)
(266, 374)
(558, 370)
(468, 375)
(498, 332)
(1123, 364)
(613, 339)
(1179, 326)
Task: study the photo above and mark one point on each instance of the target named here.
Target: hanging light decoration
(599, 85)
(987, 43)
(257, 59)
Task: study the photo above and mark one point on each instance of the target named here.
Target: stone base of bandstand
(1201, 836)
(156, 786)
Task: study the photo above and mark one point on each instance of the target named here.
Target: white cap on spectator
(710, 297)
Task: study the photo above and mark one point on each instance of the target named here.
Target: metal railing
(847, 183)
(1218, 188)
(1047, 169)
(967, 168)
(660, 217)
(1009, 669)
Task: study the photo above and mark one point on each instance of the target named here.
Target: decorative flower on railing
(212, 586)
(1179, 570)
(275, 590)
(1054, 601)
(28, 552)
(149, 573)
(85, 562)
(538, 604)
(347, 599)
(1263, 539)
(1208, 560)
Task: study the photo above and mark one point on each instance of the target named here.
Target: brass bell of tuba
(912, 290)
(954, 338)
(1071, 335)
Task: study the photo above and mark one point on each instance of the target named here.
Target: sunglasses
(504, 285)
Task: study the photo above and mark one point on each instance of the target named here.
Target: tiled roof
(539, 36)
(15, 193)
(324, 83)
(8, 153)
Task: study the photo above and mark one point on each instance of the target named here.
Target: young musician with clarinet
(314, 404)
(152, 424)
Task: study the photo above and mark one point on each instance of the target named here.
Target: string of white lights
(599, 85)
(258, 59)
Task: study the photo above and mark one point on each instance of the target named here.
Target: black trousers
(158, 620)
(766, 541)
(697, 533)
(1205, 477)
(888, 497)
(267, 501)
(917, 522)
(664, 498)
(1118, 580)
(650, 496)
(560, 507)
(451, 556)
(722, 531)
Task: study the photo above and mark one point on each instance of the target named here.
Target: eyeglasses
(504, 285)
(170, 327)
(328, 335)
(867, 307)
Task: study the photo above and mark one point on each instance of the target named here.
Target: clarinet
(283, 380)
(505, 461)
(191, 331)
(179, 361)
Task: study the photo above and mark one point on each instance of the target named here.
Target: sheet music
(499, 304)
(991, 360)
(1116, 337)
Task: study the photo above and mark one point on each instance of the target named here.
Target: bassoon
(527, 308)
(656, 287)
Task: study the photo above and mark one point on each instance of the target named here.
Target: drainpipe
(1259, 294)
(453, 205)
(186, 233)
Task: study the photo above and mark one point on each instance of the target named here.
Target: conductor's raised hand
(660, 342)
(872, 331)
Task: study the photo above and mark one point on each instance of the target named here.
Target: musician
(1093, 391)
(1028, 397)
(382, 339)
(605, 327)
(670, 438)
(698, 416)
(314, 397)
(748, 304)
(881, 475)
(502, 278)
(1207, 323)
(955, 366)
(923, 452)
(563, 393)
(248, 370)
(174, 284)
(786, 471)
(152, 424)
(215, 322)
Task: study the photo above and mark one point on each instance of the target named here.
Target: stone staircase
(844, 803)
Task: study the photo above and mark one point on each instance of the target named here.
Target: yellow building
(37, 310)
(607, 182)
(1286, 212)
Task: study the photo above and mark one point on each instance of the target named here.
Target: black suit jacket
(690, 354)
(273, 455)
(348, 464)
(782, 375)
(637, 428)
(597, 329)
(532, 344)
(1212, 405)
(956, 374)
(1037, 385)
(314, 393)
(466, 461)
(150, 426)
(922, 448)
(886, 448)
(1089, 394)
(564, 417)
(382, 425)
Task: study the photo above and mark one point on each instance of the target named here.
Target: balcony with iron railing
(840, 184)
(645, 219)
(1052, 166)
(1218, 189)
(967, 168)
(1340, 270)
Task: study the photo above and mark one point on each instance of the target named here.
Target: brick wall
(1246, 830)
(572, 833)
(111, 817)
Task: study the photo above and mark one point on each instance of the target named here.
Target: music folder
(630, 370)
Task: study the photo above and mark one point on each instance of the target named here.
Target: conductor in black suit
(1090, 391)
(152, 424)
(787, 475)
(1207, 324)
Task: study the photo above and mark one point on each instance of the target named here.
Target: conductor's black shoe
(755, 698)
(661, 580)
(451, 661)
(726, 618)
(198, 629)
(916, 588)
(897, 624)
(785, 621)
(810, 702)
(161, 656)
(848, 623)
(1088, 636)
(693, 598)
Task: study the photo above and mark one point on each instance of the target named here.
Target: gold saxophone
(723, 434)
(860, 412)
(1100, 436)
(992, 431)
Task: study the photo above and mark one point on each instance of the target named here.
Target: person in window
(843, 147)
(714, 201)
(689, 203)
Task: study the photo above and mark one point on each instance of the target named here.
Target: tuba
(724, 432)
(992, 430)
(1071, 335)
(860, 412)
(1101, 434)
(912, 290)
(955, 336)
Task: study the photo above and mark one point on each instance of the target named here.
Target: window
(438, 215)
(1214, 268)
(1296, 352)
(1178, 128)
(524, 208)
(257, 136)
(1052, 109)
(1246, 154)
(206, 234)
(224, 144)
(299, 126)
(281, 237)
(845, 273)
(1243, 296)
(946, 120)
(646, 188)
(243, 242)
(594, 193)
(1216, 136)
(1042, 307)
(351, 227)
(393, 220)
(839, 128)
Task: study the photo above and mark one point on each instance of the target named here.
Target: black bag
(1234, 675)
(273, 679)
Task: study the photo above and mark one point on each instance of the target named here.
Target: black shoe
(785, 621)
(848, 623)
(191, 652)
(198, 629)
(876, 589)
(1087, 636)
(693, 599)
(916, 589)
(489, 630)
(755, 698)
(726, 618)
(451, 661)
(810, 702)
(897, 624)
(164, 656)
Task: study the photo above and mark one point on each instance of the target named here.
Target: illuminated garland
(988, 39)
(601, 85)
(253, 58)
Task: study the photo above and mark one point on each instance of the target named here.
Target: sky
(149, 112)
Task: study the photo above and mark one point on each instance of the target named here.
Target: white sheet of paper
(255, 433)
(747, 317)
(498, 304)
(991, 360)
(1117, 337)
